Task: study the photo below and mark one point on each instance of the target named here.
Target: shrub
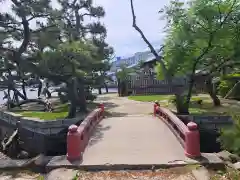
(230, 137)
(224, 87)
(227, 82)
(172, 100)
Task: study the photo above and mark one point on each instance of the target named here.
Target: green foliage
(62, 47)
(229, 76)
(227, 82)
(150, 98)
(198, 34)
(201, 35)
(158, 70)
(230, 137)
(40, 177)
(229, 174)
(76, 177)
(69, 59)
(224, 87)
(172, 100)
(123, 72)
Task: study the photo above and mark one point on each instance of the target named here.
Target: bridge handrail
(188, 135)
(78, 136)
(180, 125)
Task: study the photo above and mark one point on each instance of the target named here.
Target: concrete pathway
(130, 135)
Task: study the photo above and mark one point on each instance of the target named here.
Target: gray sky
(118, 21)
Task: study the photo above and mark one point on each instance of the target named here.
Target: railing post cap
(73, 128)
(156, 103)
(192, 126)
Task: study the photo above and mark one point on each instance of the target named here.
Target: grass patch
(227, 174)
(207, 107)
(59, 112)
(150, 98)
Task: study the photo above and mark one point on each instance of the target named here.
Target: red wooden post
(101, 106)
(73, 144)
(155, 107)
(192, 141)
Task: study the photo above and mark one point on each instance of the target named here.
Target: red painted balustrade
(78, 136)
(188, 135)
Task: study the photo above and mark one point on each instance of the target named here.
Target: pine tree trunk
(24, 89)
(49, 95)
(82, 97)
(189, 94)
(100, 90)
(72, 109)
(72, 98)
(212, 92)
(39, 89)
(18, 94)
(180, 104)
(106, 87)
(179, 97)
(119, 87)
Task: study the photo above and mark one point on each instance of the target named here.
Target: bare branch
(219, 11)
(43, 29)
(153, 51)
(7, 49)
(202, 26)
(38, 16)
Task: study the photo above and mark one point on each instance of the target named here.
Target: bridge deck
(132, 139)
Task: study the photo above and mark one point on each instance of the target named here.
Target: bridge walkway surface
(129, 134)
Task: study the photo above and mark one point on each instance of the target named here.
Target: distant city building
(131, 61)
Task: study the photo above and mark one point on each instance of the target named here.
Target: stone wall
(209, 126)
(37, 125)
(213, 122)
(39, 136)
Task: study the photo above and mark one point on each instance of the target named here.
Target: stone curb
(208, 159)
(45, 163)
(120, 167)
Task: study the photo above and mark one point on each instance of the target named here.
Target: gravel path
(167, 174)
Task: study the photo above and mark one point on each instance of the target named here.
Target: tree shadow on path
(98, 134)
(109, 113)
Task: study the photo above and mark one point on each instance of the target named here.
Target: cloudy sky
(118, 20)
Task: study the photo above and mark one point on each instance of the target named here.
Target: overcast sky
(118, 20)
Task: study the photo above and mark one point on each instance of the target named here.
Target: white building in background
(130, 61)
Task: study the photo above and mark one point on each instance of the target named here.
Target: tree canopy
(54, 43)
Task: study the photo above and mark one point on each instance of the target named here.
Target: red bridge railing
(78, 136)
(188, 135)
